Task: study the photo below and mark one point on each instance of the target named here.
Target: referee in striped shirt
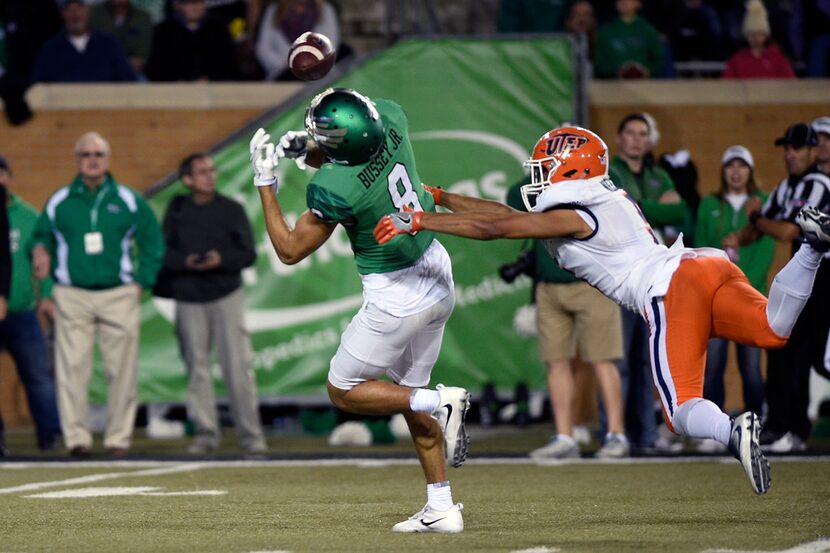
(788, 369)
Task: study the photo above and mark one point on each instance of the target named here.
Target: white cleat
(430, 520)
(450, 414)
(743, 444)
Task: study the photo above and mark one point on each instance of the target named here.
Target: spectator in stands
(697, 33)
(629, 47)
(20, 332)
(532, 16)
(822, 128)
(783, 30)
(191, 45)
(663, 14)
(652, 189)
(581, 20)
(156, 9)
(283, 22)
(24, 26)
(130, 25)
(79, 54)
(761, 59)
(89, 228)
(788, 369)
(208, 242)
(241, 17)
(569, 314)
(719, 215)
(810, 32)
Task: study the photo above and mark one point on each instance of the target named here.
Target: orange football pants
(707, 297)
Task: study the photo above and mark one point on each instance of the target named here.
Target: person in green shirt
(719, 215)
(628, 47)
(130, 25)
(20, 332)
(88, 235)
(651, 188)
(366, 168)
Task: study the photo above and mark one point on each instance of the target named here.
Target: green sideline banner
(475, 108)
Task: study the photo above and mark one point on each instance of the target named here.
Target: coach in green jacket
(87, 234)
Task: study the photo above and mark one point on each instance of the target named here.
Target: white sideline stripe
(167, 469)
(369, 463)
(541, 549)
(76, 493)
(818, 546)
(93, 492)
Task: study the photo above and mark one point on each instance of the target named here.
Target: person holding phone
(208, 243)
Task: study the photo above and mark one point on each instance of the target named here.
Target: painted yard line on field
(818, 546)
(160, 471)
(153, 491)
(390, 461)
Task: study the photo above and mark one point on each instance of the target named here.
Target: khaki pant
(577, 314)
(220, 323)
(113, 317)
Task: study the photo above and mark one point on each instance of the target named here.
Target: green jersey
(358, 196)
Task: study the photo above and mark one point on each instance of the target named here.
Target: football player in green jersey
(366, 168)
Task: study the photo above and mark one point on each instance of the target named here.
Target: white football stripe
(178, 467)
(818, 546)
(119, 491)
(93, 492)
(305, 49)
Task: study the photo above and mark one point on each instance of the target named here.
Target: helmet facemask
(541, 176)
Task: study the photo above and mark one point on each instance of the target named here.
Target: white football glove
(263, 160)
(294, 145)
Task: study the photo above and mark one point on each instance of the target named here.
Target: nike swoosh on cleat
(431, 522)
(449, 414)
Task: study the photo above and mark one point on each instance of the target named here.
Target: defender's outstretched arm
(484, 225)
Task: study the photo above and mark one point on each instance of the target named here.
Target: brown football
(311, 56)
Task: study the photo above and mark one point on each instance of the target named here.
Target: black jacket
(179, 54)
(190, 228)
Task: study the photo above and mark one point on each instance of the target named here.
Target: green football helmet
(345, 125)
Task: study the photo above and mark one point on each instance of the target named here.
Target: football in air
(311, 56)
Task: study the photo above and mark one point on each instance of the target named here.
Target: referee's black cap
(798, 135)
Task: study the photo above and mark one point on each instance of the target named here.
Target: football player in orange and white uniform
(594, 230)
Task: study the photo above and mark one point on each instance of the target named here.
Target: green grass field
(510, 505)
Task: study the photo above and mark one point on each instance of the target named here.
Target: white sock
(791, 289)
(439, 495)
(424, 401)
(700, 418)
